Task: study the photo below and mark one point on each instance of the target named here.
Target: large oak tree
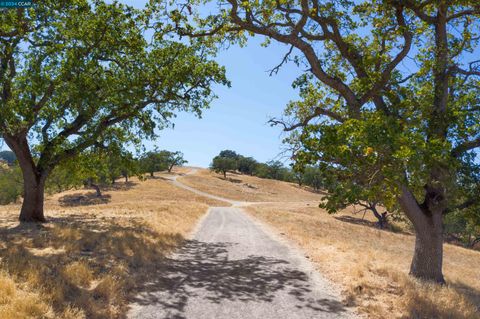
(391, 88)
(72, 69)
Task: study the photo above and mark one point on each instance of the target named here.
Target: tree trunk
(126, 178)
(382, 218)
(170, 168)
(97, 189)
(33, 179)
(151, 174)
(33, 196)
(224, 174)
(428, 255)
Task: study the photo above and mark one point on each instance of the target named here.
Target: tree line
(231, 161)
(94, 169)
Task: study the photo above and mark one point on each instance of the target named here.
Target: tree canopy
(390, 93)
(74, 71)
(223, 165)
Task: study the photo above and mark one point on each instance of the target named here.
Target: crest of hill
(248, 188)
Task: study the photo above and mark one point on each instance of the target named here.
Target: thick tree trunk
(382, 218)
(97, 189)
(151, 174)
(170, 168)
(33, 179)
(32, 206)
(428, 255)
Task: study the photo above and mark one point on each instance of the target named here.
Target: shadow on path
(202, 270)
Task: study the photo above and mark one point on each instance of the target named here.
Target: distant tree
(462, 221)
(262, 170)
(313, 177)
(65, 176)
(246, 165)
(172, 159)
(152, 162)
(298, 177)
(275, 169)
(71, 70)
(130, 166)
(118, 160)
(223, 165)
(229, 154)
(8, 156)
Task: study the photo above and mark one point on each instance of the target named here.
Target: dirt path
(235, 267)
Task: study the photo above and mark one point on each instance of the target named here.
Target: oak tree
(391, 88)
(72, 69)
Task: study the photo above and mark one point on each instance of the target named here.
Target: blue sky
(237, 120)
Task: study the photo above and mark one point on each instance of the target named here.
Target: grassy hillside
(372, 265)
(95, 253)
(248, 188)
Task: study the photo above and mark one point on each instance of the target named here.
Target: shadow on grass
(80, 199)
(120, 186)
(230, 179)
(92, 265)
(202, 272)
(359, 221)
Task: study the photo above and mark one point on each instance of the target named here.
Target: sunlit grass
(248, 188)
(372, 265)
(91, 258)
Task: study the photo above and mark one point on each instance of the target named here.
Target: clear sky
(238, 118)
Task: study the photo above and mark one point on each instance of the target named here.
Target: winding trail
(236, 267)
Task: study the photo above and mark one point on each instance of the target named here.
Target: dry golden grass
(247, 188)
(94, 254)
(372, 265)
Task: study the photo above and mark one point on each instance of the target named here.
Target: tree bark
(34, 190)
(382, 218)
(33, 179)
(97, 189)
(428, 254)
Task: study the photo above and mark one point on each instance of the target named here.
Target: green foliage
(153, 161)
(223, 165)
(172, 159)
(11, 184)
(75, 73)
(275, 170)
(229, 154)
(246, 165)
(374, 125)
(314, 177)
